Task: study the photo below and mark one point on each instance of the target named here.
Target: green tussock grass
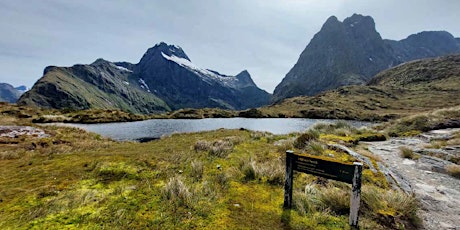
(228, 179)
(407, 153)
(422, 122)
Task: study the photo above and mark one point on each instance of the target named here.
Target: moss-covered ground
(228, 179)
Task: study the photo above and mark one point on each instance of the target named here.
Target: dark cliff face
(164, 78)
(169, 73)
(8, 93)
(352, 52)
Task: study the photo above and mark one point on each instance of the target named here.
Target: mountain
(22, 89)
(352, 52)
(412, 87)
(8, 93)
(168, 72)
(101, 84)
(164, 79)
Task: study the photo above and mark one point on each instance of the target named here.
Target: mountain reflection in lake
(159, 127)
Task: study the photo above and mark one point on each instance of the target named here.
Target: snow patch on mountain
(144, 85)
(206, 75)
(123, 68)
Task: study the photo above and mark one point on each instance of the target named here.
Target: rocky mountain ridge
(352, 52)
(412, 87)
(164, 79)
(101, 84)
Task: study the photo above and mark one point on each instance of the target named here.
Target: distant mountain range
(344, 53)
(352, 52)
(9, 93)
(164, 79)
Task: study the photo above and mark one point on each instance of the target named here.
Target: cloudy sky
(265, 37)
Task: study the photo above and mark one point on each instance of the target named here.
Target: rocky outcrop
(352, 52)
(424, 176)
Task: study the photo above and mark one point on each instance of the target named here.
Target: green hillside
(97, 86)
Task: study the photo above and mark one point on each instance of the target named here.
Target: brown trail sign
(348, 173)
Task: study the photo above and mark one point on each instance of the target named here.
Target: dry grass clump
(197, 169)
(177, 192)
(7, 155)
(390, 203)
(335, 199)
(202, 146)
(257, 135)
(340, 128)
(283, 145)
(271, 171)
(406, 152)
(322, 198)
(219, 148)
(315, 148)
(303, 140)
(453, 170)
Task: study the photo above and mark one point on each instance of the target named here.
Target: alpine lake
(153, 129)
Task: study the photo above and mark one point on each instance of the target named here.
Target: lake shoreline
(157, 128)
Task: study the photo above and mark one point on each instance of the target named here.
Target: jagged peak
(166, 49)
(331, 23)
(100, 61)
(245, 77)
(359, 21)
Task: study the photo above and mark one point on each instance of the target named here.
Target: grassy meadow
(229, 179)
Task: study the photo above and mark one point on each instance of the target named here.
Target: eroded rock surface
(17, 131)
(426, 177)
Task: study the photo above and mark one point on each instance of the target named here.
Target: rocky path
(426, 177)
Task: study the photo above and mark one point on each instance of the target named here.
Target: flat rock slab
(17, 131)
(438, 193)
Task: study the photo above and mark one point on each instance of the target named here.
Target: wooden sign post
(348, 173)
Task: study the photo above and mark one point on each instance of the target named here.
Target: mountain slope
(408, 88)
(164, 78)
(351, 52)
(101, 84)
(169, 72)
(8, 93)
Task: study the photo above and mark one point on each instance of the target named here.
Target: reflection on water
(159, 127)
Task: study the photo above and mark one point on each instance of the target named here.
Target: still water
(159, 127)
